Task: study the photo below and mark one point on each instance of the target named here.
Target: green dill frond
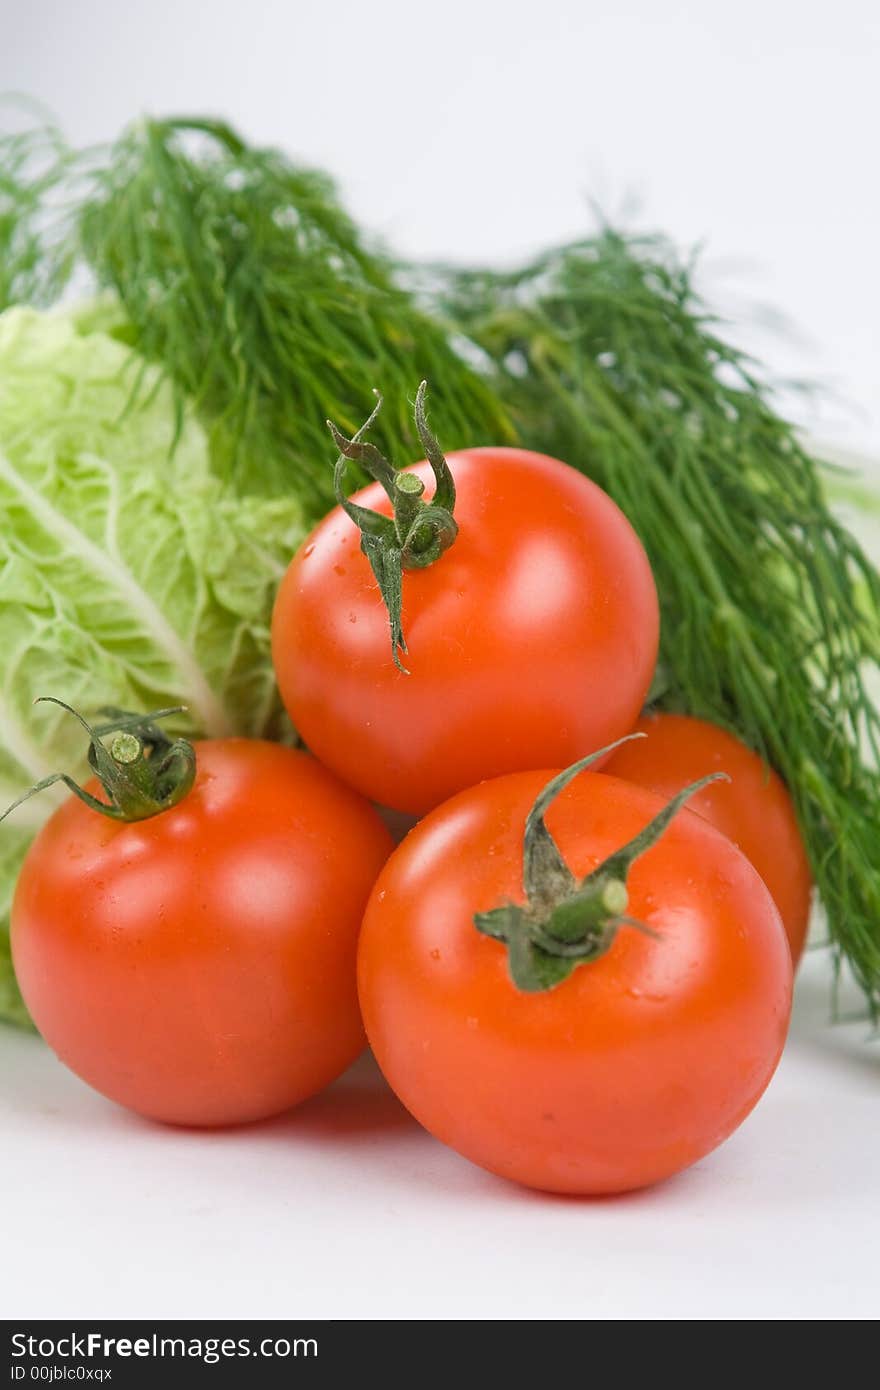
(243, 277)
(36, 255)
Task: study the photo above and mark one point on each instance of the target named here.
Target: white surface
(347, 1209)
(479, 130)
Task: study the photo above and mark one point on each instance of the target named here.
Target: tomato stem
(566, 923)
(143, 772)
(418, 532)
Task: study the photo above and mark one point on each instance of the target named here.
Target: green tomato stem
(419, 532)
(142, 773)
(566, 923)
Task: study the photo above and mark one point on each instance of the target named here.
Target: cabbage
(128, 575)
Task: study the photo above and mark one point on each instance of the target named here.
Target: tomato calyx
(142, 771)
(565, 922)
(419, 531)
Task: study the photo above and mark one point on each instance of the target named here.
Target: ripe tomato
(529, 641)
(642, 1060)
(199, 966)
(753, 809)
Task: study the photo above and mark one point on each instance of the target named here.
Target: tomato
(753, 809)
(531, 640)
(639, 1062)
(199, 966)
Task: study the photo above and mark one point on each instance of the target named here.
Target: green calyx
(418, 532)
(142, 771)
(566, 923)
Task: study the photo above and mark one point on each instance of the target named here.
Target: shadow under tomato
(360, 1104)
(497, 1188)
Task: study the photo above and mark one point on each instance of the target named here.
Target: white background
(480, 129)
(480, 132)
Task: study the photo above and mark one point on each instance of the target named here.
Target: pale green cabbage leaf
(128, 575)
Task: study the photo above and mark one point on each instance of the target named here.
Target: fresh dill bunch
(606, 356)
(36, 250)
(242, 276)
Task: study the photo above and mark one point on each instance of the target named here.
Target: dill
(241, 274)
(35, 255)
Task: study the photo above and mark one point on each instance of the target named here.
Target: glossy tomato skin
(639, 1063)
(753, 809)
(199, 967)
(532, 641)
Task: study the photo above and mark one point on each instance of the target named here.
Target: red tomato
(530, 641)
(753, 809)
(637, 1064)
(199, 967)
